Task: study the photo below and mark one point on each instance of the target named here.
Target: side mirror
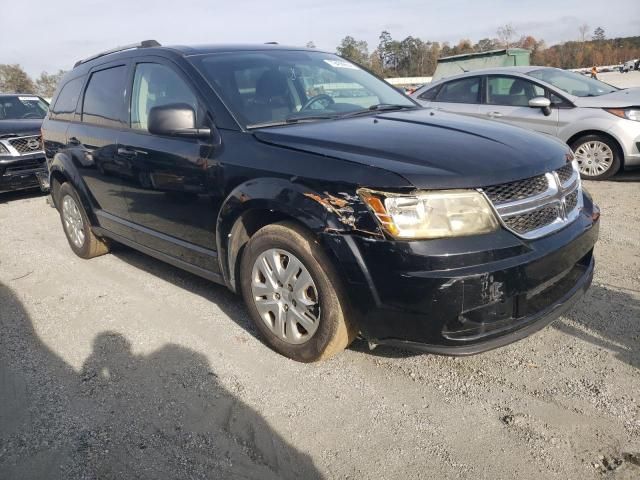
(541, 102)
(175, 120)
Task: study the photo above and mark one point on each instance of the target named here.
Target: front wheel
(598, 157)
(293, 295)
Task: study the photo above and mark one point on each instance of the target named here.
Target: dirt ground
(124, 367)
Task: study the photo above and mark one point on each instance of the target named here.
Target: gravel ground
(124, 367)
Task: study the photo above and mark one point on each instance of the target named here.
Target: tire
(285, 242)
(591, 151)
(86, 244)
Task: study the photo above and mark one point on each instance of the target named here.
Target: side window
(104, 97)
(155, 85)
(430, 94)
(67, 100)
(464, 90)
(511, 91)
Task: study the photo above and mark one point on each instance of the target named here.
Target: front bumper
(465, 295)
(24, 172)
(627, 133)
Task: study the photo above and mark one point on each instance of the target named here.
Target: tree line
(414, 57)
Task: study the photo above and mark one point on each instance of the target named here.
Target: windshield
(281, 86)
(573, 83)
(20, 107)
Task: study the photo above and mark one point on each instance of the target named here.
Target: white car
(600, 122)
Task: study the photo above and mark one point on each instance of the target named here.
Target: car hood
(431, 149)
(628, 97)
(20, 127)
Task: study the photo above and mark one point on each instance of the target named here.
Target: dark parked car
(22, 160)
(334, 216)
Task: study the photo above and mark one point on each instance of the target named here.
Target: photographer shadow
(166, 414)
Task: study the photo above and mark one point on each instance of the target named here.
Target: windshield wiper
(380, 107)
(292, 119)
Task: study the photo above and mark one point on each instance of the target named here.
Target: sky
(48, 35)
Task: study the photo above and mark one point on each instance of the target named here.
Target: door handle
(126, 152)
(73, 141)
(494, 114)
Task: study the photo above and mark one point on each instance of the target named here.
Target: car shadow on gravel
(608, 317)
(7, 197)
(165, 414)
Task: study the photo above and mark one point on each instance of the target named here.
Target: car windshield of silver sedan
(573, 83)
(268, 88)
(22, 107)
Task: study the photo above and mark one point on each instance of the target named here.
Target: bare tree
(583, 29)
(13, 79)
(505, 34)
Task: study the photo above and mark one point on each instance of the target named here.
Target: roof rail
(143, 44)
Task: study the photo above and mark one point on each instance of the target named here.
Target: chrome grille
(24, 145)
(527, 222)
(571, 201)
(507, 192)
(565, 173)
(537, 206)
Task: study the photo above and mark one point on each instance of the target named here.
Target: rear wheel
(76, 225)
(293, 295)
(598, 157)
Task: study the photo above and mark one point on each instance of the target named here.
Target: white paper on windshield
(341, 64)
(28, 99)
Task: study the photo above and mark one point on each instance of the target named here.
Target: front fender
(319, 211)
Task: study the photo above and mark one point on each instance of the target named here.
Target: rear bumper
(466, 295)
(18, 173)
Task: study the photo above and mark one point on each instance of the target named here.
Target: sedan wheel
(285, 296)
(594, 158)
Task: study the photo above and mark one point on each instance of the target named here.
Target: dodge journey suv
(334, 204)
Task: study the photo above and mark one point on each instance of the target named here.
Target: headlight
(3, 149)
(628, 113)
(436, 214)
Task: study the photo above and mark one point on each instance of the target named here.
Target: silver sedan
(600, 122)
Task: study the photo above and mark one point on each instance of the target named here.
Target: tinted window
(155, 85)
(511, 91)
(104, 97)
(67, 100)
(465, 90)
(430, 94)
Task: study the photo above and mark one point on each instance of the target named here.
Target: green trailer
(506, 57)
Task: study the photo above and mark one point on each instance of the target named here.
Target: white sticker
(28, 99)
(341, 64)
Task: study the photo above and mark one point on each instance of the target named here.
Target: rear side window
(67, 100)
(464, 90)
(430, 94)
(104, 97)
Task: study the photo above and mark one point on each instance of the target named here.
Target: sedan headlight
(3, 149)
(628, 113)
(435, 214)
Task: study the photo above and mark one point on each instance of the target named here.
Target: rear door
(507, 100)
(92, 142)
(171, 192)
(461, 95)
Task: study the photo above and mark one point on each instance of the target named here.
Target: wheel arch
(61, 170)
(257, 203)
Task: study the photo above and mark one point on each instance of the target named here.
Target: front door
(171, 190)
(507, 100)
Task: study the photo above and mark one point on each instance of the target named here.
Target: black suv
(22, 161)
(335, 204)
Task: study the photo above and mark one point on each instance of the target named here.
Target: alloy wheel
(285, 296)
(72, 219)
